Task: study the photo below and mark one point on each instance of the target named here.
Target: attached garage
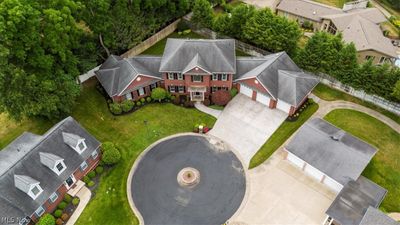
(295, 160)
(283, 106)
(332, 184)
(314, 173)
(246, 90)
(263, 99)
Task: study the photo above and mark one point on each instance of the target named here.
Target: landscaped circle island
(187, 179)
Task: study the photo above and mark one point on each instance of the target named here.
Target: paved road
(159, 198)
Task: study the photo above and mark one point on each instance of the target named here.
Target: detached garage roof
(357, 202)
(373, 216)
(331, 150)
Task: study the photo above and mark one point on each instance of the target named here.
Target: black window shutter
(191, 77)
(201, 78)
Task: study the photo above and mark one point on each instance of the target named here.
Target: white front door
(246, 91)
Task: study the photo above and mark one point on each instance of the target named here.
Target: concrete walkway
(395, 216)
(326, 106)
(213, 112)
(84, 196)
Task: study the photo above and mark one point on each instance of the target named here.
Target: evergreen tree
(202, 13)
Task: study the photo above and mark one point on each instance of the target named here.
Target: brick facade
(49, 206)
(145, 81)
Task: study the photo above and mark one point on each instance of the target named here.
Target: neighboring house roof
(354, 200)
(308, 9)
(342, 20)
(26, 164)
(368, 36)
(331, 150)
(216, 55)
(278, 73)
(116, 75)
(374, 216)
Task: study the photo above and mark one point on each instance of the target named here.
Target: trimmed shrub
(189, 104)
(64, 217)
(59, 221)
(86, 179)
(99, 170)
(111, 155)
(115, 108)
(127, 105)
(138, 103)
(233, 92)
(62, 205)
(67, 198)
(176, 100)
(46, 219)
(221, 97)
(75, 201)
(143, 100)
(148, 99)
(159, 94)
(206, 102)
(91, 174)
(90, 184)
(182, 25)
(58, 213)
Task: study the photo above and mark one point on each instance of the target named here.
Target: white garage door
(246, 91)
(283, 106)
(295, 160)
(332, 184)
(261, 98)
(313, 172)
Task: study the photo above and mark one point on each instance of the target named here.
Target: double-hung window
(215, 76)
(171, 89)
(197, 78)
(180, 76)
(224, 77)
(170, 76)
(84, 165)
(181, 89)
(141, 91)
(40, 211)
(53, 197)
(95, 154)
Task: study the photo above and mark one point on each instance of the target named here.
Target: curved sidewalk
(327, 106)
(213, 112)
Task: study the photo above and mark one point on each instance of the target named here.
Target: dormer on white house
(53, 162)
(75, 142)
(28, 185)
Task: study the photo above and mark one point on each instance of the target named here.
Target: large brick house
(198, 68)
(37, 170)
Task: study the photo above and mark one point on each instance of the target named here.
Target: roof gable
(308, 9)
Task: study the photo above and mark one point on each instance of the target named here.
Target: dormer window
(28, 185)
(53, 162)
(75, 142)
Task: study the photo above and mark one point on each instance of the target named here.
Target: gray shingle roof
(19, 204)
(342, 159)
(216, 55)
(342, 20)
(279, 74)
(352, 202)
(116, 76)
(374, 216)
(308, 9)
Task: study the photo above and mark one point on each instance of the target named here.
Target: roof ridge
(224, 56)
(181, 42)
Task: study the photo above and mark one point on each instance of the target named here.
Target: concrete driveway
(246, 125)
(280, 193)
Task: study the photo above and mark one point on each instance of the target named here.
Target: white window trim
(84, 166)
(224, 77)
(170, 76)
(141, 91)
(215, 76)
(95, 154)
(180, 76)
(41, 211)
(55, 169)
(128, 96)
(197, 81)
(31, 194)
(73, 181)
(53, 197)
(84, 146)
(181, 89)
(171, 89)
(153, 85)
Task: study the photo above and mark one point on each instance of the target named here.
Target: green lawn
(285, 130)
(329, 94)
(110, 205)
(158, 48)
(384, 168)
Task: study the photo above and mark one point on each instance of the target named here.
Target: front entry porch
(197, 93)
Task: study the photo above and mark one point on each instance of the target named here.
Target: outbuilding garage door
(295, 160)
(283, 106)
(332, 184)
(313, 172)
(262, 98)
(246, 91)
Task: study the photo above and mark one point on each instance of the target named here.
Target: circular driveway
(160, 199)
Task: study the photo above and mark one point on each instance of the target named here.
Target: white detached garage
(328, 154)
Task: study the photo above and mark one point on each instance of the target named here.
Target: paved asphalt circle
(161, 200)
